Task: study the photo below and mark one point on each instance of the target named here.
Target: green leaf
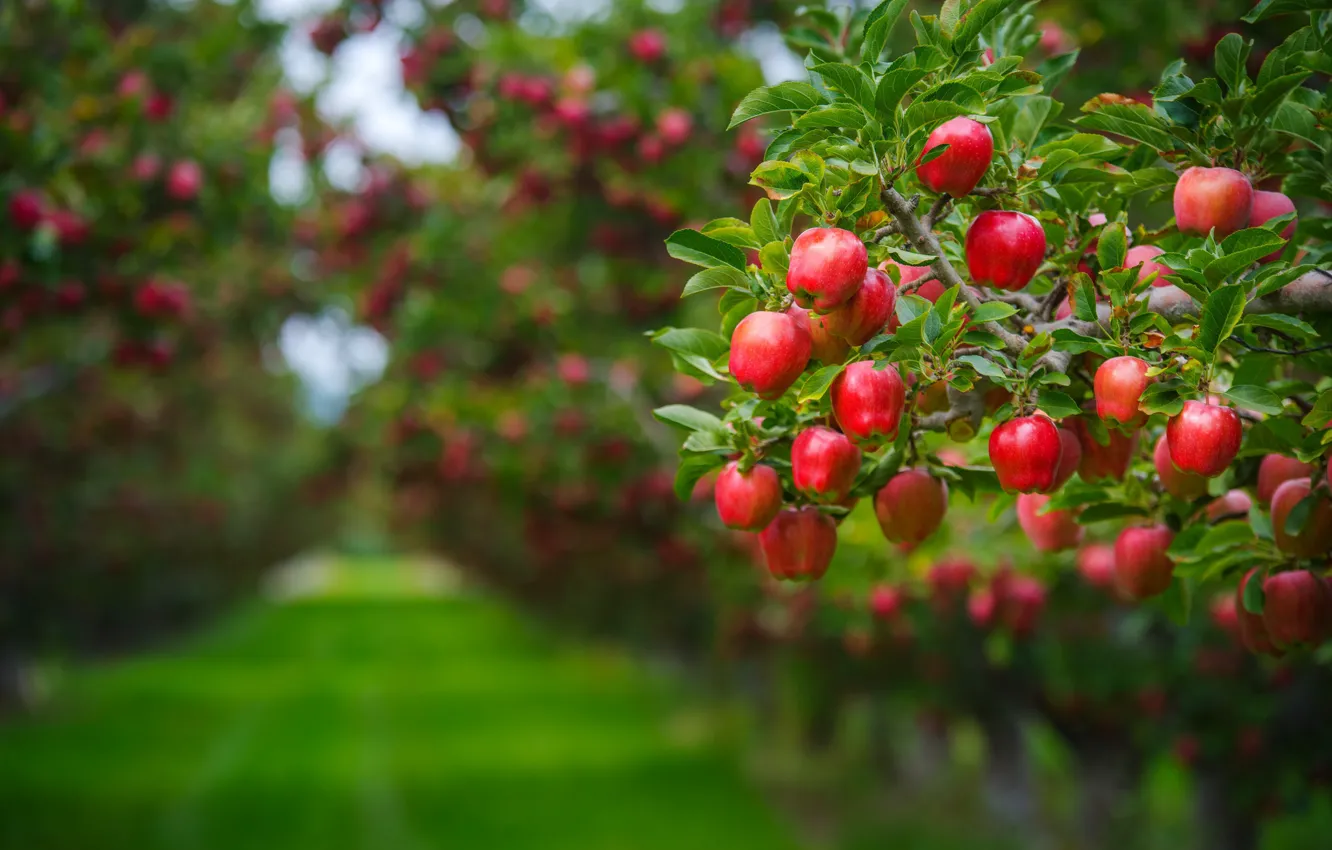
(910, 258)
(893, 86)
(1161, 398)
(1256, 398)
(835, 116)
(1281, 322)
(983, 366)
(850, 81)
(775, 258)
(929, 113)
(1031, 117)
(1127, 119)
(1056, 68)
(1073, 342)
(877, 26)
(1225, 535)
(1240, 250)
(1108, 511)
(722, 277)
(687, 417)
(1112, 246)
(1268, 285)
(781, 180)
(993, 311)
(694, 341)
(1253, 597)
(693, 247)
(1271, 8)
(764, 222)
(1177, 600)
(1220, 315)
(1058, 405)
(1084, 298)
(818, 383)
(1299, 515)
(783, 97)
(976, 19)
(693, 467)
(1231, 54)
(732, 231)
(1321, 413)
(1295, 120)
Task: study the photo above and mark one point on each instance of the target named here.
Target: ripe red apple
(647, 46)
(184, 180)
(1276, 470)
(1204, 438)
(1297, 610)
(1252, 628)
(826, 347)
(1235, 504)
(799, 544)
(769, 351)
(1141, 256)
(1025, 453)
(1118, 387)
(1142, 567)
(1069, 457)
(827, 266)
(1315, 537)
(824, 464)
(1102, 462)
(959, 168)
(27, 208)
(885, 601)
(867, 402)
(1048, 532)
(911, 506)
(747, 500)
(1267, 206)
(675, 125)
(1004, 249)
(981, 607)
(1181, 485)
(949, 578)
(867, 312)
(1021, 605)
(1096, 563)
(1208, 199)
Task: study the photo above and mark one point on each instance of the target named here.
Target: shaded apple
(1252, 629)
(825, 347)
(1212, 199)
(1096, 563)
(1142, 567)
(799, 544)
(1234, 504)
(1315, 536)
(911, 506)
(1275, 470)
(1297, 609)
(1048, 532)
(1069, 457)
(1181, 485)
(1140, 256)
(1004, 249)
(1267, 206)
(747, 501)
(865, 315)
(1108, 461)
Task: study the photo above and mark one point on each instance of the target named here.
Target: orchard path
(367, 713)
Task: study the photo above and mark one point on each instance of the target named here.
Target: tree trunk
(1108, 776)
(1010, 788)
(1222, 824)
(15, 692)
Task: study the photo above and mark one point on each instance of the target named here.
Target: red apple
(1048, 532)
(1004, 249)
(1234, 504)
(824, 345)
(647, 46)
(949, 579)
(184, 180)
(674, 125)
(824, 464)
(910, 274)
(1181, 485)
(1025, 453)
(864, 316)
(1140, 257)
(1315, 537)
(886, 601)
(747, 500)
(1213, 199)
(769, 351)
(1069, 458)
(1267, 206)
(1252, 629)
(1022, 603)
(1142, 567)
(799, 544)
(1109, 461)
(827, 267)
(27, 208)
(911, 506)
(1118, 387)
(1276, 470)
(1297, 609)
(981, 607)
(1204, 438)
(959, 168)
(868, 402)
(1096, 563)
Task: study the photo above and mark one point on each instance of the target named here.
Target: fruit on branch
(1315, 535)
(827, 266)
(1118, 387)
(886, 601)
(1204, 438)
(1207, 199)
(911, 506)
(675, 125)
(981, 607)
(1297, 609)
(959, 168)
(1004, 249)
(1021, 603)
(1234, 504)
(648, 45)
(747, 501)
(826, 347)
(932, 398)
(1096, 563)
(1267, 206)
(799, 544)
(1140, 256)
(1049, 532)
(770, 350)
(27, 208)
(1252, 629)
(1025, 453)
(1181, 485)
(910, 274)
(184, 179)
(867, 402)
(1069, 457)
(864, 316)
(949, 579)
(1142, 567)
(1275, 470)
(824, 464)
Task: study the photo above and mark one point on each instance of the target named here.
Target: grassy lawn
(371, 718)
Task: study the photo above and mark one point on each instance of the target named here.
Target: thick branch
(1309, 293)
(968, 406)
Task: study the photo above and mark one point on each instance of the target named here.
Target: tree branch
(961, 405)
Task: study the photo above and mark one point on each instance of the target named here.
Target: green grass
(371, 720)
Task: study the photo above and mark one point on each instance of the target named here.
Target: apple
(769, 351)
(1048, 532)
(959, 168)
(981, 607)
(867, 402)
(949, 578)
(1109, 461)
(907, 275)
(1069, 457)
(1140, 257)
(1315, 537)
(1004, 249)
(1204, 438)
(1022, 603)
(1025, 453)
(1267, 206)
(747, 501)
(27, 209)
(1235, 503)
(184, 179)
(1181, 485)
(1142, 567)
(886, 601)
(799, 544)
(675, 125)
(827, 267)
(824, 464)
(824, 345)
(1213, 199)
(911, 506)
(1118, 388)
(647, 46)
(1297, 609)
(1252, 628)
(1224, 615)
(867, 312)
(1096, 563)
(1276, 470)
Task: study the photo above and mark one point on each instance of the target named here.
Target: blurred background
(334, 513)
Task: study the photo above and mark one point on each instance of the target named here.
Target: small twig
(1296, 353)
(991, 191)
(1051, 303)
(1020, 300)
(939, 210)
(886, 231)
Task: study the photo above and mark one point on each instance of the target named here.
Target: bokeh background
(333, 513)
